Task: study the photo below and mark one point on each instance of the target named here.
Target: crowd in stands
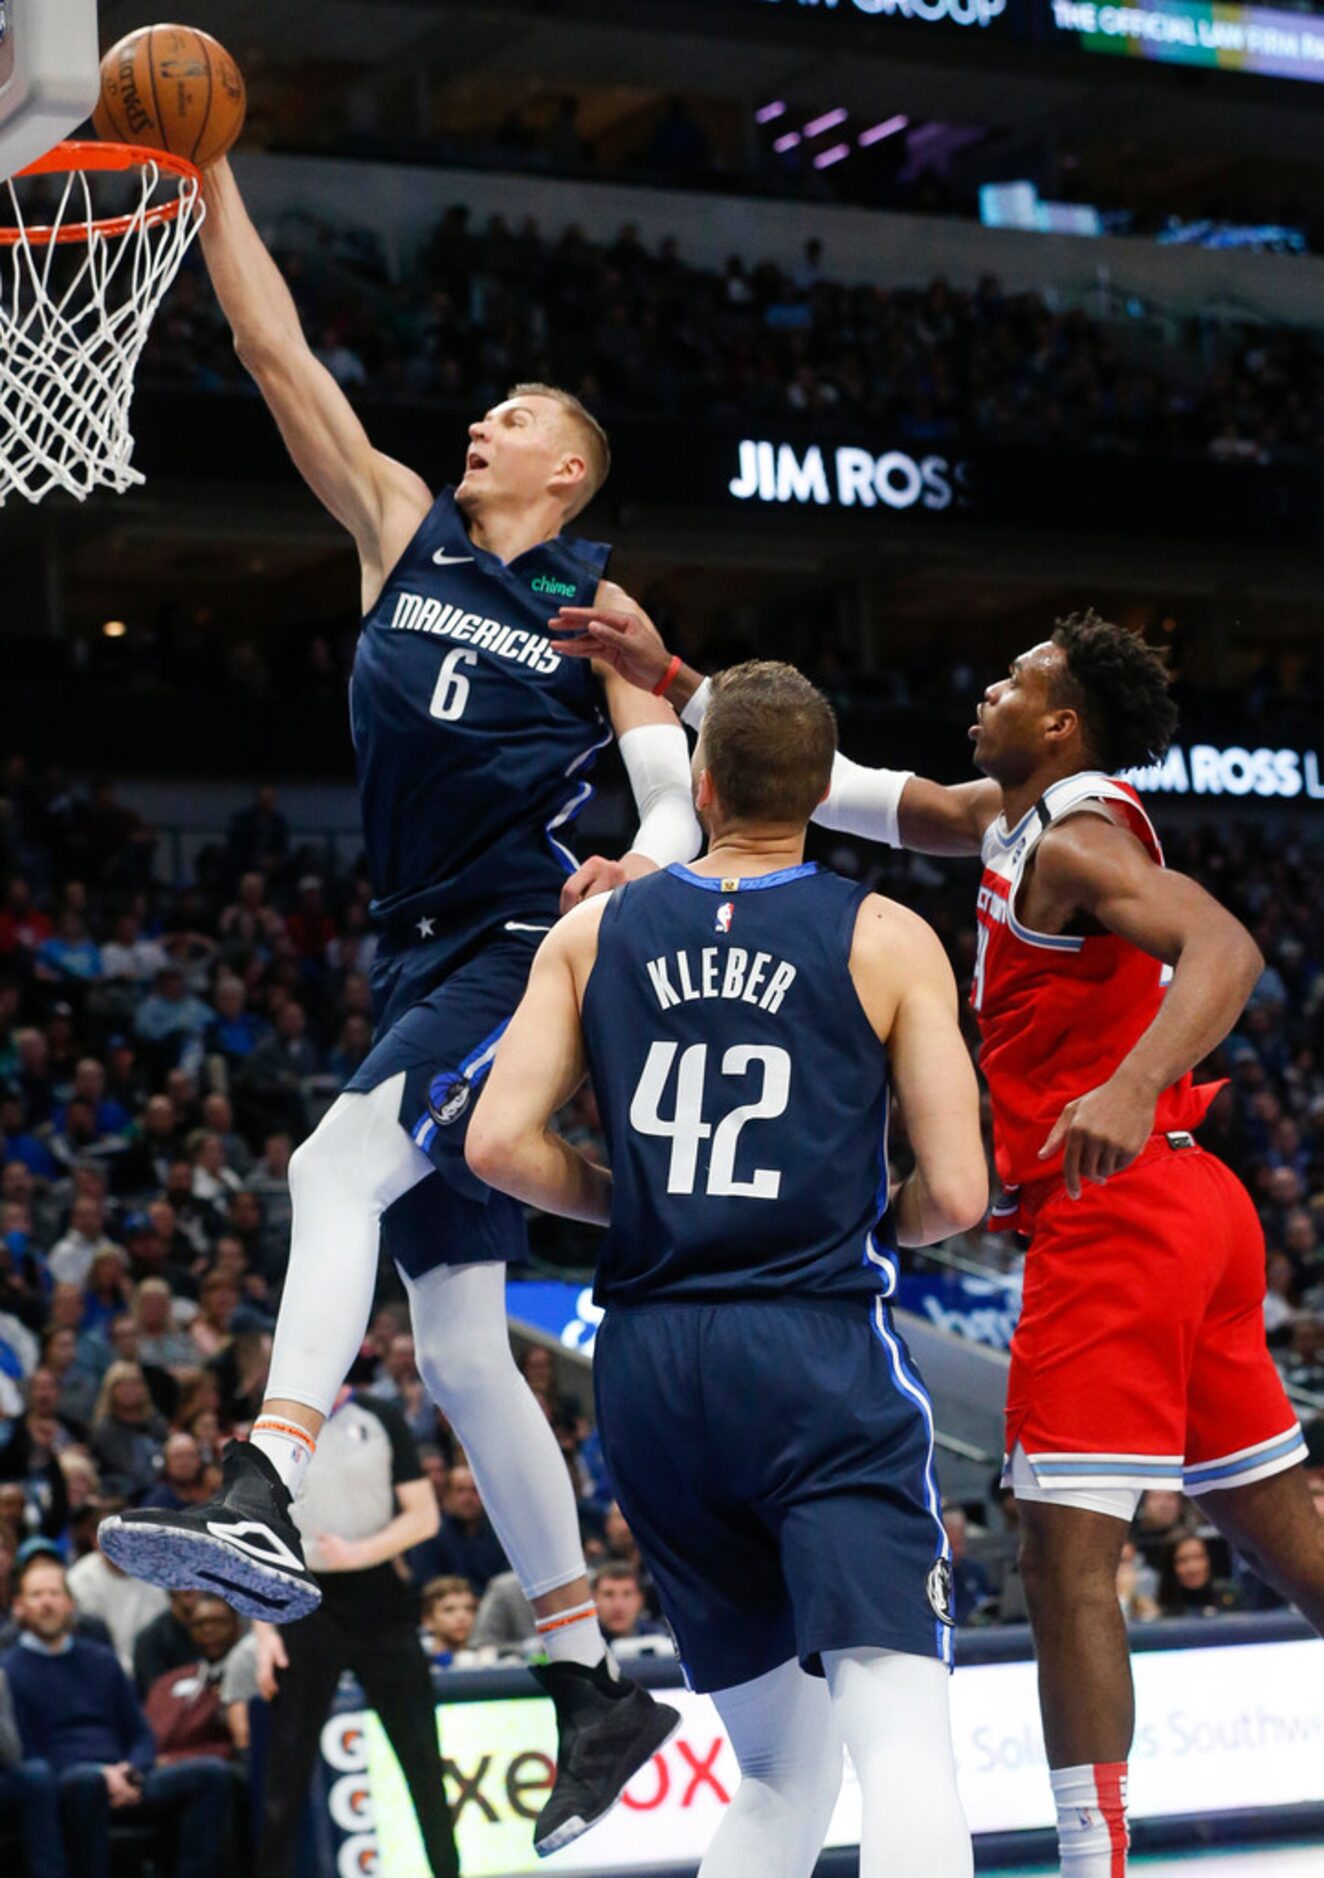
(164, 1049)
(638, 331)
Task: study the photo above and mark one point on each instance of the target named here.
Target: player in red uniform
(1140, 1358)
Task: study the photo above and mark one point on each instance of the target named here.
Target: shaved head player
(473, 738)
(1140, 1358)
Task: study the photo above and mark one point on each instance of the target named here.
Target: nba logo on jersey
(726, 912)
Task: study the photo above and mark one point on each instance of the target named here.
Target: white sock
(288, 1447)
(894, 1711)
(1092, 1834)
(791, 1761)
(356, 1163)
(573, 1636)
(462, 1342)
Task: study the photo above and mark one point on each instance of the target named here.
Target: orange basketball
(171, 88)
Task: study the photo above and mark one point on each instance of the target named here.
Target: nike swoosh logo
(442, 559)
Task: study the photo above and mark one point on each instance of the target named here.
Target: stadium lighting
(114, 629)
(837, 154)
(829, 121)
(888, 128)
(769, 113)
(788, 142)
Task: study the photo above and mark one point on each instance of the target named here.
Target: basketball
(171, 88)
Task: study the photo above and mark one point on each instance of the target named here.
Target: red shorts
(1140, 1359)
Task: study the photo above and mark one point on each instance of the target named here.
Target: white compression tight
(463, 1346)
(895, 1714)
(790, 1756)
(787, 1729)
(357, 1163)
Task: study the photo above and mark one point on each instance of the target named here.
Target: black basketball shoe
(608, 1729)
(243, 1547)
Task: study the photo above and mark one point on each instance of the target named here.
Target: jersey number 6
(686, 1127)
(452, 692)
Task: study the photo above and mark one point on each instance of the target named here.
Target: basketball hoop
(78, 292)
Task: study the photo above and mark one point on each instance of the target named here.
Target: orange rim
(68, 157)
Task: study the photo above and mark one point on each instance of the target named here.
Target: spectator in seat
(505, 1621)
(218, 1118)
(156, 1143)
(170, 1016)
(110, 1117)
(183, 1479)
(102, 1591)
(76, 1711)
(127, 1432)
(249, 924)
(130, 959)
(401, 1383)
(235, 1031)
(1187, 1585)
(163, 1343)
(108, 1292)
(619, 1597)
(183, 1705)
(166, 1643)
(466, 1546)
(29, 1797)
(71, 1256)
(275, 1073)
(448, 1608)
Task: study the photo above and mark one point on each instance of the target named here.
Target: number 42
(686, 1128)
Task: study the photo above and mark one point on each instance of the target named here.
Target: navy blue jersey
(472, 736)
(743, 1090)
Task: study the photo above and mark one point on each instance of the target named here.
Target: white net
(85, 258)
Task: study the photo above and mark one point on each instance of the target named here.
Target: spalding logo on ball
(171, 88)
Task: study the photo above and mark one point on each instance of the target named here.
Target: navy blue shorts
(774, 1460)
(440, 1022)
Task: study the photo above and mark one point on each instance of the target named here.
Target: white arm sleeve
(657, 761)
(864, 802)
(693, 712)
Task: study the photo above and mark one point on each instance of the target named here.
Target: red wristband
(668, 677)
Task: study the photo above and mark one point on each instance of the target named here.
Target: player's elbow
(1248, 962)
(958, 1199)
(489, 1148)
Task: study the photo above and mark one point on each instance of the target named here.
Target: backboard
(49, 57)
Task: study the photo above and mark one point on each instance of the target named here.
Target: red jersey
(1058, 1012)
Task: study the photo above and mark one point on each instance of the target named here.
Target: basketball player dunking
(1140, 1358)
(771, 1444)
(473, 738)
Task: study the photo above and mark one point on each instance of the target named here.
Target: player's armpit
(538, 1067)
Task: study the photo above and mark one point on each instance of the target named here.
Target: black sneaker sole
(667, 1723)
(180, 1558)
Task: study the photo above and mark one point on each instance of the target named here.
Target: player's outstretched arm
(1089, 865)
(538, 1067)
(377, 499)
(892, 806)
(907, 989)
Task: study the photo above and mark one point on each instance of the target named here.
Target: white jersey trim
(1072, 795)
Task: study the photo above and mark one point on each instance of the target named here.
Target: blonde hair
(597, 446)
(121, 1371)
(148, 1288)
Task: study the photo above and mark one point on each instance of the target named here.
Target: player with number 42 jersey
(745, 1022)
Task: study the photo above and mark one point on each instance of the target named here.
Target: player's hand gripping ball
(171, 88)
